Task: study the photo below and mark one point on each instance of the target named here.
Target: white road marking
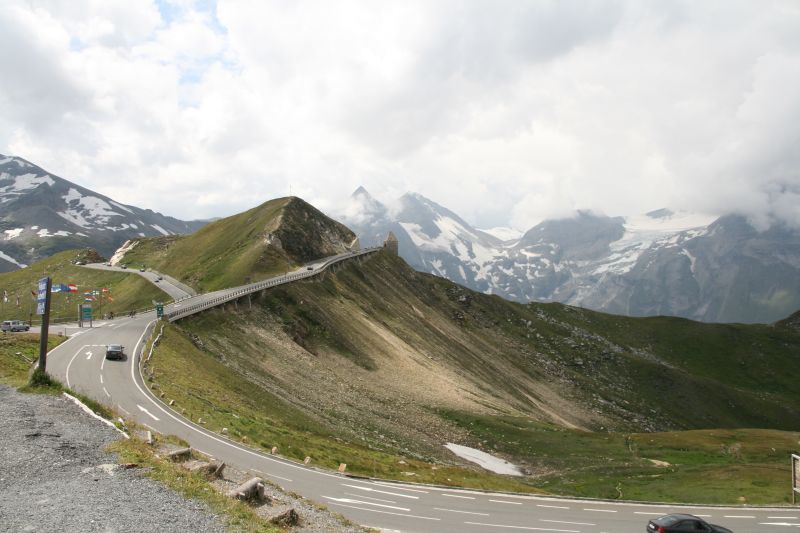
(737, 516)
(101, 379)
(103, 364)
(392, 513)
(126, 412)
(527, 528)
(148, 413)
(603, 510)
(504, 501)
(369, 498)
(551, 506)
(349, 500)
(368, 489)
(782, 517)
(788, 524)
(462, 512)
(70, 364)
(457, 496)
(88, 355)
(106, 391)
(399, 487)
(569, 523)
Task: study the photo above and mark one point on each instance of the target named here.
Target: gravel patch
(56, 476)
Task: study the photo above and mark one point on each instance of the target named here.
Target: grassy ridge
(722, 466)
(262, 242)
(128, 290)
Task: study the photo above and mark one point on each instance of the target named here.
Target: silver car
(14, 325)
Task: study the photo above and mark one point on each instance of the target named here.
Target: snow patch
(87, 207)
(75, 218)
(159, 229)
(126, 247)
(484, 460)
(25, 182)
(504, 234)
(11, 260)
(122, 207)
(13, 233)
(44, 232)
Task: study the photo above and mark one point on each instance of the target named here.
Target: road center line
(348, 500)
(602, 510)
(368, 489)
(504, 501)
(369, 498)
(106, 391)
(462, 512)
(101, 379)
(457, 496)
(395, 514)
(569, 523)
(398, 487)
(737, 516)
(551, 506)
(527, 528)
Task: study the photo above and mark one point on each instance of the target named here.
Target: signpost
(159, 310)
(43, 308)
(795, 477)
(84, 314)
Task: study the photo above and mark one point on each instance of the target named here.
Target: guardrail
(244, 290)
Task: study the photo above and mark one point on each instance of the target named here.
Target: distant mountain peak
(361, 191)
(43, 214)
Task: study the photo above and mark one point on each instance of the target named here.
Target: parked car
(124, 267)
(309, 268)
(15, 325)
(115, 351)
(681, 523)
(141, 269)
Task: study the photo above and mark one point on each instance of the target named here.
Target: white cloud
(504, 112)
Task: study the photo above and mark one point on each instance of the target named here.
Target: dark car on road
(115, 351)
(683, 523)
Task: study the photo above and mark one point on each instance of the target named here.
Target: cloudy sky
(504, 111)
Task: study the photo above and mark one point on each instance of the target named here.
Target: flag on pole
(72, 287)
(5, 296)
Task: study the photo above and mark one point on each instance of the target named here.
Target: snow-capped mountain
(41, 214)
(659, 263)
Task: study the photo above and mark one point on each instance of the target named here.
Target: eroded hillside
(379, 349)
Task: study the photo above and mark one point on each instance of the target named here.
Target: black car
(682, 523)
(115, 351)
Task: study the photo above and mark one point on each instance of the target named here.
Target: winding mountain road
(80, 362)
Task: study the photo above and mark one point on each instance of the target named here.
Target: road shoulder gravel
(56, 476)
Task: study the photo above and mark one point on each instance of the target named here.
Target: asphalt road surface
(389, 506)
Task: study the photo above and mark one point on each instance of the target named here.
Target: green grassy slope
(376, 355)
(128, 290)
(259, 243)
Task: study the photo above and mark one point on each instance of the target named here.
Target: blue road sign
(41, 297)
